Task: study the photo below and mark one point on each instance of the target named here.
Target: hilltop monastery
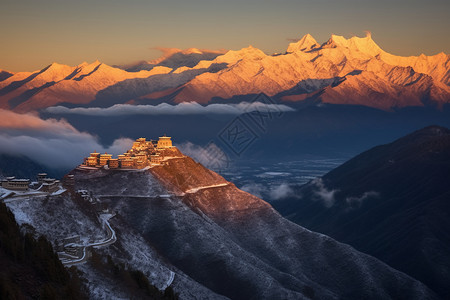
(143, 154)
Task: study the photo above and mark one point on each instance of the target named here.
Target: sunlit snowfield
(274, 181)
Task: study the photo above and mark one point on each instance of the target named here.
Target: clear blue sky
(35, 33)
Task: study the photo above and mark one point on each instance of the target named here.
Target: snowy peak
(56, 68)
(192, 51)
(169, 52)
(175, 58)
(233, 56)
(88, 67)
(51, 73)
(365, 45)
(340, 71)
(95, 63)
(306, 43)
(251, 52)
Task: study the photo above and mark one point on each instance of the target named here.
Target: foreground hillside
(391, 202)
(29, 267)
(190, 231)
(353, 71)
(236, 245)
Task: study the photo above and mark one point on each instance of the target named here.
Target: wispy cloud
(270, 193)
(256, 189)
(185, 108)
(357, 201)
(54, 143)
(282, 191)
(31, 122)
(210, 156)
(327, 196)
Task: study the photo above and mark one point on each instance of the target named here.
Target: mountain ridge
(236, 244)
(185, 226)
(391, 202)
(363, 74)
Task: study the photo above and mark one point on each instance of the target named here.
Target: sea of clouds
(185, 108)
(53, 143)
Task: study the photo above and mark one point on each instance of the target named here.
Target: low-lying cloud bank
(327, 196)
(210, 156)
(357, 201)
(185, 108)
(270, 193)
(256, 189)
(53, 143)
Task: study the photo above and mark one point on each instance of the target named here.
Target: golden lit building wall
(95, 154)
(140, 164)
(155, 159)
(127, 163)
(164, 142)
(104, 159)
(92, 161)
(113, 163)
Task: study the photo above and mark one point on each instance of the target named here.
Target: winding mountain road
(169, 281)
(111, 239)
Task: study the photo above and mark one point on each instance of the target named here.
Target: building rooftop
(139, 154)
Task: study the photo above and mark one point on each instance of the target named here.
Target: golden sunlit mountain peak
(340, 67)
(364, 45)
(306, 43)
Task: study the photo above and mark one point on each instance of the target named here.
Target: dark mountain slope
(19, 166)
(23, 167)
(236, 245)
(29, 269)
(5, 75)
(392, 202)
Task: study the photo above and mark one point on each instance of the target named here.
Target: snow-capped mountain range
(353, 71)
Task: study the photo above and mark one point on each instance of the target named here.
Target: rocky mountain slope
(174, 58)
(68, 214)
(29, 267)
(185, 226)
(19, 166)
(5, 75)
(352, 71)
(391, 202)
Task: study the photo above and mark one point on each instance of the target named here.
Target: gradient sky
(34, 33)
